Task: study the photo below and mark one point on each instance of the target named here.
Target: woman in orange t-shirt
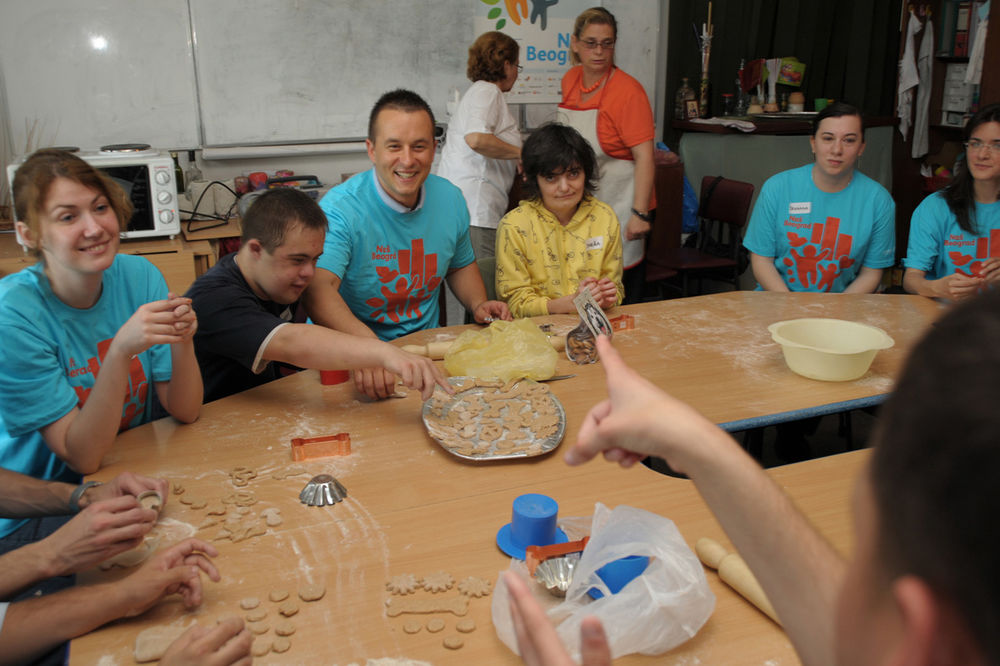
(611, 110)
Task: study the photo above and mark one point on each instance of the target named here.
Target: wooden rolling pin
(734, 572)
(437, 350)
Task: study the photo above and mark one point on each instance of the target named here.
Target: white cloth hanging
(908, 77)
(925, 62)
(974, 72)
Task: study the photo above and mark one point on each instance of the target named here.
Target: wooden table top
(413, 508)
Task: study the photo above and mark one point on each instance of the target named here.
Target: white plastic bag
(655, 612)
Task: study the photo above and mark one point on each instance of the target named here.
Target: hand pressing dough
(474, 587)
(412, 627)
(466, 626)
(453, 642)
(151, 643)
(281, 644)
(150, 499)
(284, 628)
(257, 614)
(249, 603)
(278, 595)
(435, 625)
(312, 592)
(402, 584)
(289, 608)
(439, 581)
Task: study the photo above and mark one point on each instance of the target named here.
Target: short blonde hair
(594, 15)
(33, 181)
(488, 54)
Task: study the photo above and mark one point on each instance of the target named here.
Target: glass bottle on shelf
(684, 94)
(178, 174)
(192, 174)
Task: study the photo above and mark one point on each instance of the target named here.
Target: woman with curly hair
(483, 144)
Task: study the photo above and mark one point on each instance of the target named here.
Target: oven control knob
(166, 216)
(162, 176)
(164, 197)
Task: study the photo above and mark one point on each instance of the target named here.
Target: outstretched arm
(312, 346)
(467, 283)
(798, 569)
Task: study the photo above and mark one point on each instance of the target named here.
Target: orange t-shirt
(624, 117)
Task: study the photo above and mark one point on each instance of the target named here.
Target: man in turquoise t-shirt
(824, 226)
(395, 233)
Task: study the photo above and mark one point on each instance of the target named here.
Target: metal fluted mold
(556, 573)
(322, 490)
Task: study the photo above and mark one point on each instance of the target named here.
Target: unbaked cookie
(474, 587)
(453, 642)
(439, 581)
(402, 584)
(312, 592)
(278, 595)
(466, 626)
(249, 603)
(435, 625)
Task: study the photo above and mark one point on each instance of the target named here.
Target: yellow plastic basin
(832, 350)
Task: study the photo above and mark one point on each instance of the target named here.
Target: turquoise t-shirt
(51, 354)
(390, 260)
(820, 240)
(939, 247)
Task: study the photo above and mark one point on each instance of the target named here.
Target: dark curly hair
(488, 54)
(553, 148)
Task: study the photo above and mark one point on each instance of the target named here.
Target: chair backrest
(725, 200)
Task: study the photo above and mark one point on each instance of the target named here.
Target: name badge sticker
(595, 243)
(800, 208)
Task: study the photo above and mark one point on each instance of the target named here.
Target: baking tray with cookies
(490, 419)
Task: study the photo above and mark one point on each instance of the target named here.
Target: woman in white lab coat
(483, 144)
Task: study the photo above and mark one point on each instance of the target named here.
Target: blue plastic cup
(619, 573)
(533, 523)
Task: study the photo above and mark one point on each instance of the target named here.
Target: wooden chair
(725, 206)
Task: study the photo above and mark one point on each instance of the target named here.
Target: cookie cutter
(322, 490)
(553, 566)
(624, 322)
(321, 447)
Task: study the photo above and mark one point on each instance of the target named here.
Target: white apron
(617, 179)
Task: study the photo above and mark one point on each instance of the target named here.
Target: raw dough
(261, 646)
(466, 626)
(151, 643)
(258, 627)
(289, 608)
(453, 642)
(187, 499)
(312, 592)
(242, 476)
(278, 595)
(257, 614)
(439, 581)
(137, 555)
(281, 644)
(474, 587)
(457, 605)
(435, 625)
(241, 498)
(249, 603)
(199, 504)
(412, 627)
(150, 499)
(272, 517)
(178, 489)
(284, 628)
(402, 584)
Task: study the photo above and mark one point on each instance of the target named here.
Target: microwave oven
(147, 176)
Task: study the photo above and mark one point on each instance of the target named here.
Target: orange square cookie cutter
(535, 555)
(321, 447)
(625, 322)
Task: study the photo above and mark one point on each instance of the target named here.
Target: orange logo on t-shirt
(405, 289)
(825, 245)
(138, 386)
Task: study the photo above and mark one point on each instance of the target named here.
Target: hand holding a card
(605, 291)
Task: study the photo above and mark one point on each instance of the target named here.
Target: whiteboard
(98, 72)
(310, 70)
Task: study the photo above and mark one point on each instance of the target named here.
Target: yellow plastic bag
(505, 349)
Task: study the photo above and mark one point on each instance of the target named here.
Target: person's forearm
(90, 433)
(488, 145)
(26, 497)
(766, 274)
(467, 285)
(35, 626)
(327, 307)
(561, 305)
(321, 348)
(644, 175)
(22, 567)
(915, 282)
(183, 394)
(798, 569)
(867, 281)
